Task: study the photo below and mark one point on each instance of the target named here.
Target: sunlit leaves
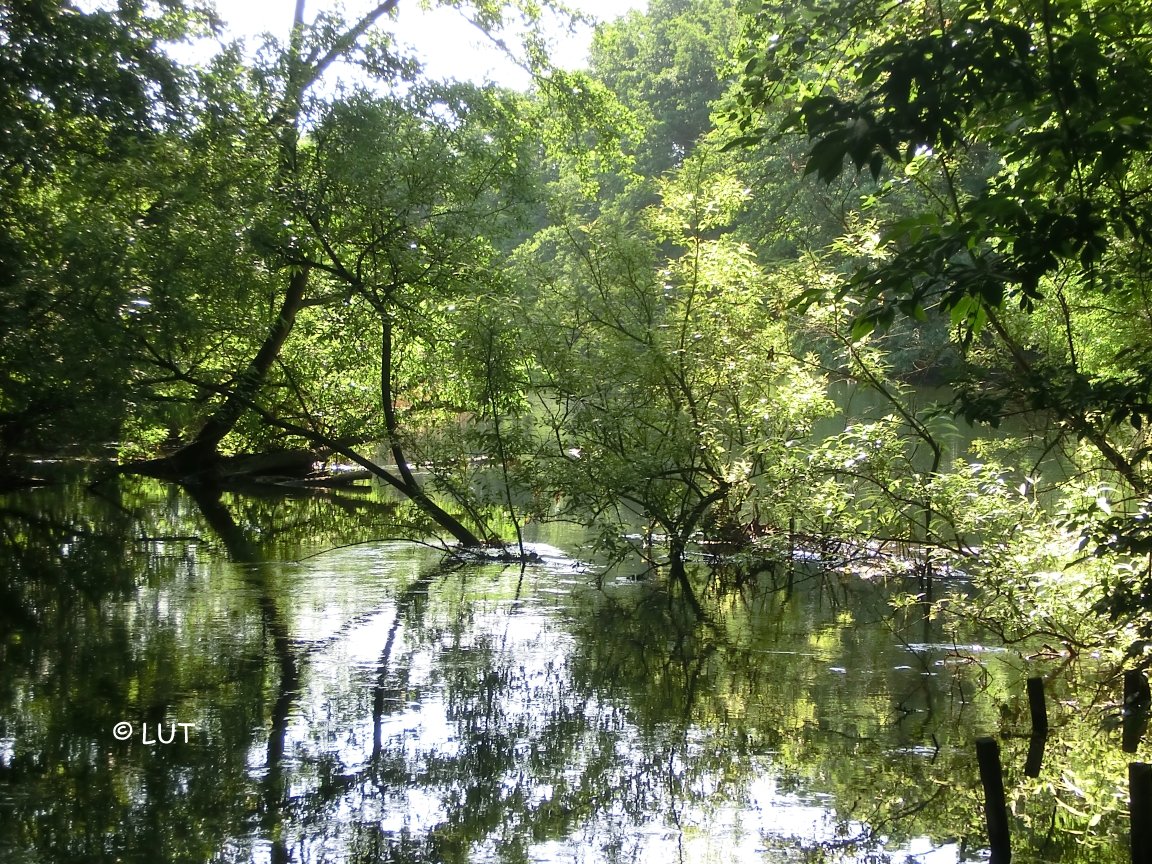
(1039, 97)
(666, 379)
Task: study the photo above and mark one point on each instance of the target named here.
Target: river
(274, 678)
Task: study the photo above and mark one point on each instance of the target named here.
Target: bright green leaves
(924, 89)
(665, 67)
(883, 98)
(406, 200)
(1022, 129)
(581, 124)
(89, 103)
(665, 379)
(1014, 142)
(1043, 93)
(704, 197)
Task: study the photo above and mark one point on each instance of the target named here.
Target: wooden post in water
(1036, 706)
(995, 807)
(1137, 698)
(791, 554)
(1035, 756)
(1039, 711)
(1140, 811)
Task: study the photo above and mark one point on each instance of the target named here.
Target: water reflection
(373, 704)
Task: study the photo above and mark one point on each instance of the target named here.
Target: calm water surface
(356, 703)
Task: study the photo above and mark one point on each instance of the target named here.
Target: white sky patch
(442, 39)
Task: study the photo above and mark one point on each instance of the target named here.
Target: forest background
(626, 295)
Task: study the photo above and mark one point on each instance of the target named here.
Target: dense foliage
(1021, 130)
(648, 298)
(618, 298)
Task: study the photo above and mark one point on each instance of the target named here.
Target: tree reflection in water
(373, 704)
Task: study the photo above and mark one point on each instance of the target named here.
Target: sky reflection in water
(516, 648)
(368, 704)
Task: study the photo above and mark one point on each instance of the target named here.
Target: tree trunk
(198, 461)
(200, 457)
(408, 484)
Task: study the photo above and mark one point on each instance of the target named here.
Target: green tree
(665, 377)
(668, 66)
(403, 245)
(1025, 128)
(1059, 222)
(88, 98)
(310, 53)
(377, 235)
